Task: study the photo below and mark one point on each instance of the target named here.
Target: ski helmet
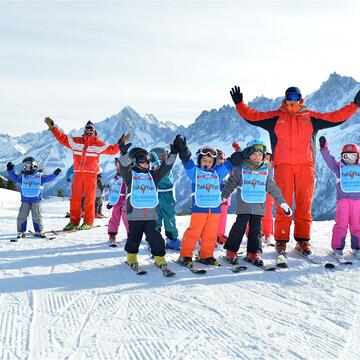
(351, 148)
(160, 152)
(293, 93)
(30, 165)
(220, 154)
(89, 129)
(206, 151)
(139, 155)
(255, 145)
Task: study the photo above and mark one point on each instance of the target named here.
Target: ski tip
(329, 266)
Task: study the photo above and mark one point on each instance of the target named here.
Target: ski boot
(112, 240)
(173, 244)
(254, 258)
(209, 261)
(40, 234)
(85, 226)
(303, 246)
(70, 226)
(280, 246)
(185, 261)
(231, 257)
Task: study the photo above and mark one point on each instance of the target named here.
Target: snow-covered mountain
(217, 127)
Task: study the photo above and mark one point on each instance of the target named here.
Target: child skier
(348, 196)
(253, 181)
(32, 181)
(221, 238)
(204, 222)
(166, 209)
(142, 202)
(117, 201)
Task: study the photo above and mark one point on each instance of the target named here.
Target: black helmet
(138, 155)
(160, 152)
(294, 93)
(30, 165)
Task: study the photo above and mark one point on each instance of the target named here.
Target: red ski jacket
(86, 150)
(293, 134)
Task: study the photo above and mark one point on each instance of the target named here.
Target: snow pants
(148, 227)
(84, 183)
(118, 212)
(166, 214)
(347, 216)
(223, 217)
(295, 181)
(238, 230)
(24, 211)
(268, 220)
(98, 205)
(203, 226)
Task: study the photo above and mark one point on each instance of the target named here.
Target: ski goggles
(208, 151)
(349, 156)
(260, 147)
(143, 159)
(293, 97)
(89, 130)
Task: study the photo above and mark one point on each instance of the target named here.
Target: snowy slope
(73, 298)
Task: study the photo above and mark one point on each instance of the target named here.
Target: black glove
(123, 147)
(323, 142)
(180, 143)
(236, 95)
(9, 166)
(185, 155)
(108, 206)
(57, 171)
(173, 148)
(357, 99)
(236, 158)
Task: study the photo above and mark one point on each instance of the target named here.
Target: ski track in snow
(74, 298)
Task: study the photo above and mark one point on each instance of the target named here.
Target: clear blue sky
(77, 61)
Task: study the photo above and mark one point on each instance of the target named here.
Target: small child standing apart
(348, 196)
(32, 182)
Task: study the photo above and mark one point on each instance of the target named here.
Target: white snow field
(74, 298)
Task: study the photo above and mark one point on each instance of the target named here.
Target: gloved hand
(235, 146)
(124, 147)
(57, 171)
(236, 95)
(286, 208)
(49, 122)
(357, 99)
(236, 158)
(108, 206)
(9, 166)
(173, 148)
(180, 143)
(323, 142)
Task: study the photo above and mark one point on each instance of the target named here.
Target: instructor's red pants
(296, 182)
(84, 183)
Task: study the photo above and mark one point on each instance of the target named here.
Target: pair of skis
(31, 234)
(139, 271)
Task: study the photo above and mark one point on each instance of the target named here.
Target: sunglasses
(349, 156)
(208, 151)
(293, 97)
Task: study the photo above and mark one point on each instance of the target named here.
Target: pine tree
(11, 185)
(61, 193)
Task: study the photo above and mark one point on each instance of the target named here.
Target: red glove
(236, 146)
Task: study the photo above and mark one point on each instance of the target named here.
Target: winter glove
(236, 95)
(236, 158)
(108, 206)
(286, 208)
(180, 143)
(357, 99)
(173, 148)
(235, 146)
(57, 171)
(124, 147)
(9, 166)
(50, 123)
(323, 143)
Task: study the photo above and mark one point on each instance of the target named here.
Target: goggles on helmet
(293, 97)
(207, 151)
(349, 156)
(259, 147)
(142, 158)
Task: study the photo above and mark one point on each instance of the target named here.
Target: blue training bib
(253, 190)
(115, 190)
(143, 192)
(350, 178)
(31, 185)
(207, 189)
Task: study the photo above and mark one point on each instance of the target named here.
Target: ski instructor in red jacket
(86, 153)
(292, 129)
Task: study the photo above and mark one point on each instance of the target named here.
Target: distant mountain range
(218, 128)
